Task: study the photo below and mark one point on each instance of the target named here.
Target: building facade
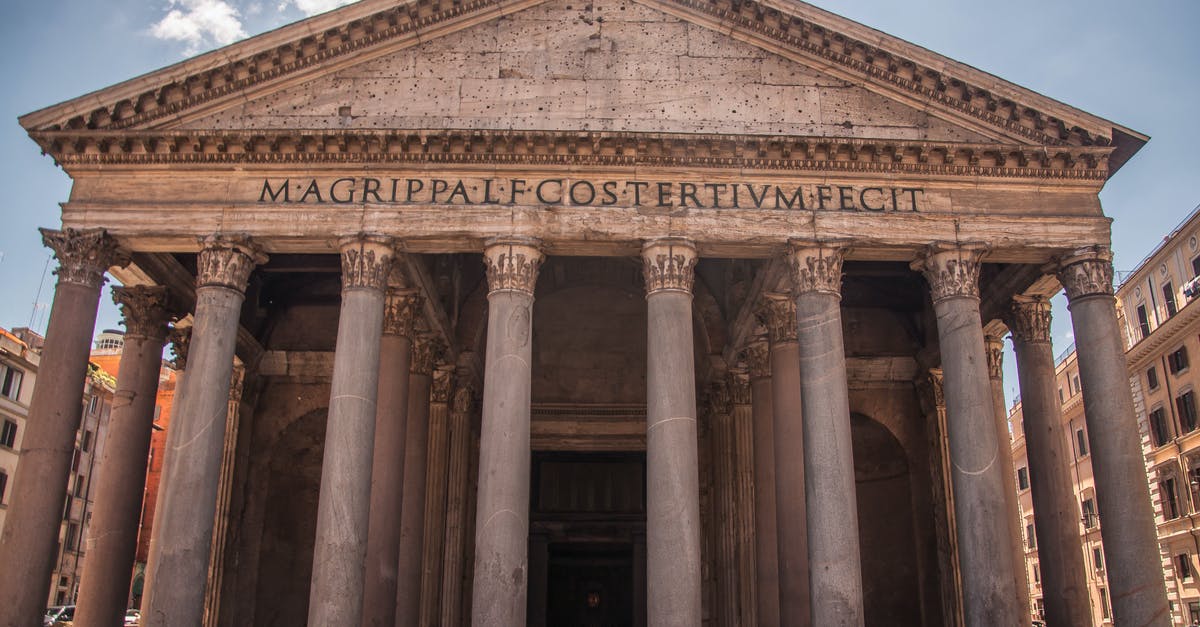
(662, 312)
(18, 362)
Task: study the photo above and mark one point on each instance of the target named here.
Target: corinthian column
(985, 555)
(30, 537)
(757, 355)
(183, 525)
(412, 513)
(835, 578)
(387, 465)
(434, 548)
(1055, 510)
(112, 534)
(778, 314)
(1135, 575)
(502, 511)
(672, 477)
(458, 478)
(343, 512)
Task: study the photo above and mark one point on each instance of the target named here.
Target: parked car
(133, 618)
(58, 613)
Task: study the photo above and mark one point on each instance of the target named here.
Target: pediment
(645, 66)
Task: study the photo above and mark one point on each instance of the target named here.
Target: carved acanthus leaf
(994, 347)
(181, 339)
(366, 262)
(443, 381)
(669, 265)
(778, 315)
(1029, 320)
(739, 387)
(512, 265)
(952, 271)
(816, 267)
(226, 260)
(401, 309)
(145, 311)
(83, 255)
(757, 356)
(426, 352)
(1087, 272)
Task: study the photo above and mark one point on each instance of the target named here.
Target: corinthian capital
(181, 339)
(994, 347)
(512, 264)
(1029, 319)
(1086, 272)
(145, 311)
(83, 255)
(227, 261)
(952, 270)
(816, 266)
(426, 351)
(669, 265)
(757, 356)
(400, 311)
(778, 315)
(366, 261)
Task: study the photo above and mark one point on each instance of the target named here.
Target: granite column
(672, 475)
(995, 357)
(1056, 512)
(183, 524)
(387, 463)
(502, 509)
(1134, 567)
(30, 538)
(765, 545)
(434, 549)
(457, 487)
(112, 534)
(985, 554)
(343, 511)
(412, 512)
(835, 579)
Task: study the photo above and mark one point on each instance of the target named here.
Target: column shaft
(434, 548)
(995, 355)
(112, 533)
(458, 478)
(502, 511)
(835, 580)
(30, 538)
(412, 513)
(343, 512)
(1135, 574)
(672, 478)
(788, 450)
(183, 524)
(387, 464)
(765, 543)
(743, 459)
(1056, 514)
(985, 554)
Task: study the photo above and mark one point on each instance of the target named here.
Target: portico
(543, 349)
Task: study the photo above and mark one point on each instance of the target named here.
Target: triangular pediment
(655, 66)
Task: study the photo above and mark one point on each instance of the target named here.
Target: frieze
(668, 265)
(83, 255)
(576, 148)
(227, 260)
(145, 311)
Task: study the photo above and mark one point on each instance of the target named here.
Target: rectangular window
(1178, 360)
(1143, 321)
(1170, 500)
(86, 443)
(1022, 478)
(75, 461)
(1037, 574)
(1194, 606)
(1104, 611)
(1183, 567)
(1089, 513)
(3, 484)
(1158, 427)
(1185, 406)
(1081, 445)
(92, 405)
(10, 386)
(1152, 378)
(72, 539)
(8, 434)
(1061, 398)
(1075, 387)
(1169, 299)
(1030, 538)
(79, 485)
(1098, 559)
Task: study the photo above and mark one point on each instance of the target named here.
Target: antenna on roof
(38, 305)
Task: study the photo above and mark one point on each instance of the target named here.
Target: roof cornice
(82, 149)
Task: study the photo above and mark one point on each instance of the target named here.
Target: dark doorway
(590, 585)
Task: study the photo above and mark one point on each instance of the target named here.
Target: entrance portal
(587, 548)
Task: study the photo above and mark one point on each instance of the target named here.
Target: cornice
(574, 148)
(301, 50)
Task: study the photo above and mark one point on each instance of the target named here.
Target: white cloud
(200, 23)
(313, 7)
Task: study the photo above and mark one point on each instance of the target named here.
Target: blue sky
(1136, 63)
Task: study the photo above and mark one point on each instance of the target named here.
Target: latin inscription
(588, 193)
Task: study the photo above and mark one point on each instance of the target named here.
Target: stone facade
(595, 204)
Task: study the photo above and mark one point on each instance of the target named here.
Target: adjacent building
(18, 374)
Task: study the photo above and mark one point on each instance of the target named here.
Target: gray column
(1055, 510)
(995, 357)
(672, 477)
(765, 544)
(387, 462)
(112, 533)
(835, 578)
(1135, 575)
(743, 468)
(985, 555)
(457, 485)
(502, 506)
(183, 524)
(30, 539)
(343, 512)
(434, 548)
(412, 512)
(779, 316)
